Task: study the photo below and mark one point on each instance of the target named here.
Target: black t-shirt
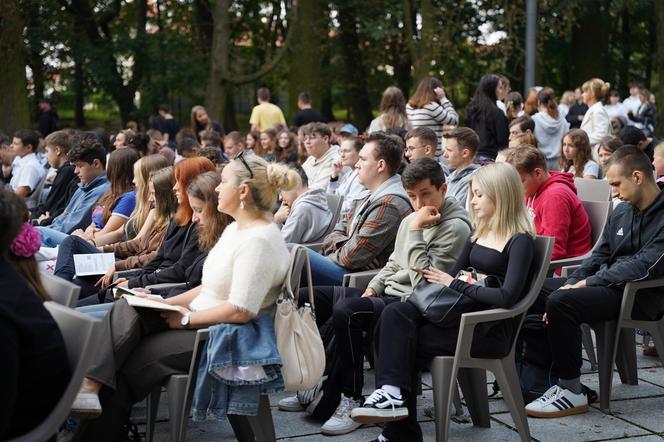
(168, 126)
(35, 370)
(306, 116)
(48, 122)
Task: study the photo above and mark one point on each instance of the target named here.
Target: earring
(242, 204)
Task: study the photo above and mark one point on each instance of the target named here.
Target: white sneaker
(340, 422)
(380, 407)
(291, 403)
(557, 402)
(86, 405)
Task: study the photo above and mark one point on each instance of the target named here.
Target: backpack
(533, 359)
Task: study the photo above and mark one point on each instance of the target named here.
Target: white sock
(382, 438)
(393, 391)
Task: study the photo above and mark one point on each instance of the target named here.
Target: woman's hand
(78, 232)
(440, 93)
(122, 282)
(173, 319)
(105, 280)
(435, 276)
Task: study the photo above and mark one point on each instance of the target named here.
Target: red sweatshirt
(559, 212)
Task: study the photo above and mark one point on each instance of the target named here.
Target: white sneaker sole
(340, 430)
(86, 405)
(374, 416)
(558, 413)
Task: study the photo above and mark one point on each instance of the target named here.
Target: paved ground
(638, 415)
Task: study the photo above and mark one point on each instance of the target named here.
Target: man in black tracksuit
(631, 249)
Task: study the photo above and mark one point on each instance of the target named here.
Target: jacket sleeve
(444, 113)
(501, 130)
(521, 251)
(9, 346)
(376, 231)
(377, 283)
(295, 226)
(555, 217)
(647, 263)
(600, 128)
(340, 232)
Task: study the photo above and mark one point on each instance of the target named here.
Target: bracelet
(335, 179)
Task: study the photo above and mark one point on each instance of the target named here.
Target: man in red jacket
(552, 201)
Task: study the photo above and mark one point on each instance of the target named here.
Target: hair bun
(281, 177)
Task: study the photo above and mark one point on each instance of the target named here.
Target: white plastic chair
(60, 290)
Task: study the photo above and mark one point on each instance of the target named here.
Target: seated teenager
(65, 180)
(521, 125)
(364, 239)
(303, 214)
(552, 200)
(630, 250)
(131, 254)
(179, 248)
(576, 156)
(343, 179)
(27, 171)
(461, 145)
(141, 348)
(88, 157)
(433, 236)
(502, 247)
(35, 368)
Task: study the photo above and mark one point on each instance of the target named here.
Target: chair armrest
(359, 280)
(629, 294)
(495, 314)
(568, 270)
(315, 246)
(568, 262)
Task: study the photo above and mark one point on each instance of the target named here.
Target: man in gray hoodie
(461, 145)
(433, 236)
(303, 213)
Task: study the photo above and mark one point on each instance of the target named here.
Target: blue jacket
(78, 212)
(237, 345)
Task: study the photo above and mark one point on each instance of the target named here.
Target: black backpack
(533, 359)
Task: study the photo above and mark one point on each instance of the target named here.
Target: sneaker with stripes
(380, 407)
(557, 402)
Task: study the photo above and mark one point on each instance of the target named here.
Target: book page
(93, 263)
(135, 301)
(119, 292)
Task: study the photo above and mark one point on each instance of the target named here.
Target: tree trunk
(626, 46)
(79, 91)
(589, 42)
(14, 114)
(306, 58)
(356, 74)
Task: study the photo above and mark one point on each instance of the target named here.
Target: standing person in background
(633, 102)
(265, 115)
(200, 121)
(549, 127)
(343, 179)
(514, 105)
(307, 114)
(429, 107)
(596, 121)
(489, 122)
(48, 118)
(392, 112)
(577, 110)
(165, 123)
(530, 106)
(566, 101)
(646, 116)
(614, 108)
(501, 93)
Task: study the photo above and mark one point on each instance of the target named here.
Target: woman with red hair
(180, 247)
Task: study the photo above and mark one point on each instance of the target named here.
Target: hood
(458, 174)
(392, 186)
(100, 180)
(565, 178)
(549, 124)
(314, 197)
(453, 210)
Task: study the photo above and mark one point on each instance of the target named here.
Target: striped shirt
(434, 115)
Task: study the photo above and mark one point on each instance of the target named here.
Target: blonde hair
(659, 150)
(500, 182)
(268, 179)
(142, 170)
(165, 204)
(599, 88)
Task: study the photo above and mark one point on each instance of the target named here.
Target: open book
(136, 301)
(93, 263)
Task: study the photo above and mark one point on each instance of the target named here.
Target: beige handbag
(298, 340)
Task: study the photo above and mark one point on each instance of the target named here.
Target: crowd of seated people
(202, 221)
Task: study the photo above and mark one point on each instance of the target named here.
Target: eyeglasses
(240, 156)
(312, 137)
(414, 148)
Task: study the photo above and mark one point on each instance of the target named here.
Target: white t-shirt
(590, 168)
(27, 172)
(318, 170)
(246, 268)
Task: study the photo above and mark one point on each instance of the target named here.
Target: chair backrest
(598, 213)
(334, 203)
(542, 258)
(592, 190)
(61, 291)
(80, 333)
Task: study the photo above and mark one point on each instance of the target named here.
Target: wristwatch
(184, 322)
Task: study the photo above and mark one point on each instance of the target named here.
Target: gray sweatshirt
(549, 132)
(457, 183)
(309, 218)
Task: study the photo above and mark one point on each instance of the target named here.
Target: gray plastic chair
(592, 190)
(616, 343)
(80, 333)
(60, 290)
(334, 203)
(472, 371)
(359, 280)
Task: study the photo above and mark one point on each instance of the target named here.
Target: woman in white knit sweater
(140, 348)
(596, 121)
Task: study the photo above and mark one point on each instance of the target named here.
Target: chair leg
(262, 424)
(151, 408)
(605, 332)
(444, 384)
(473, 385)
(176, 389)
(658, 337)
(241, 428)
(626, 357)
(508, 381)
(587, 340)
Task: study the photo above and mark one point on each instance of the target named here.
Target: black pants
(137, 352)
(65, 269)
(566, 311)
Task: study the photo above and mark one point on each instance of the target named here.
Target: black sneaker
(380, 407)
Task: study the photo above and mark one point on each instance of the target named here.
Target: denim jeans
(99, 311)
(324, 271)
(51, 237)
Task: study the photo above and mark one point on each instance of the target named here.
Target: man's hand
(369, 292)
(425, 217)
(336, 168)
(282, 214)
(579, 285)
(105, 280)
(43, 217)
